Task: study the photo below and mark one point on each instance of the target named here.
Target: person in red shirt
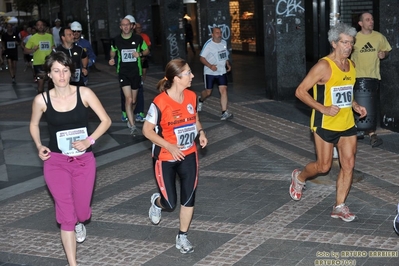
(144, 59)
(172, 124)
(24, 32)
(139, 110)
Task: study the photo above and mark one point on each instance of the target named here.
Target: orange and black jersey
(175, 122)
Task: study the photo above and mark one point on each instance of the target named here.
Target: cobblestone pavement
(244, 214)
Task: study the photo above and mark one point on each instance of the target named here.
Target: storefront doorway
(247, 26)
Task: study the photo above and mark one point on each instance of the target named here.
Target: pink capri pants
(71, 183)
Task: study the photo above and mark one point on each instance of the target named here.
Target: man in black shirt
(129, 48)
(77, 53)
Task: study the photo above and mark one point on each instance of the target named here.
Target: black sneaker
(375, 141)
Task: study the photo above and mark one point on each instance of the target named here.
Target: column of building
(285, 63)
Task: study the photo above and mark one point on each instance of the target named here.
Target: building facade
(290, 35)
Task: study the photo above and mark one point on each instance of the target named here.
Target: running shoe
(342, 211)
(296, 186)
(199, 104)
(375, 141)
(226, 115)
(124, 117)
(183, 244)
(133, 130)
(396, 221)
(140, 117)
(80, 232)
(155, 213)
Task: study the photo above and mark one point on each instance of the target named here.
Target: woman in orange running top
(172, 124)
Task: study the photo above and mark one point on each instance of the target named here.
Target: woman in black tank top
(69, 164)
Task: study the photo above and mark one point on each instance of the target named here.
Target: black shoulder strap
(44, 98)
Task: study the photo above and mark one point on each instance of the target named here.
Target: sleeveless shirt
(60, 121)
(338, 91)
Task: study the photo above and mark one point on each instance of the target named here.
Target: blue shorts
(210, 80)
(334, 136)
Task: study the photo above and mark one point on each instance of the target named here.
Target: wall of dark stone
(173, 40)
(142, 12)
(389, 86)
(285, 63)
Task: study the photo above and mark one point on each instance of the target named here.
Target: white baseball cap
(130, 18)
(76, 26)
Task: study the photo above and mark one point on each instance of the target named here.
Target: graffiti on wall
(223, 27)
(173, 46)
(289, 8)
(219, 21)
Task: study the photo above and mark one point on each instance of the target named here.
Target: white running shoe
(199, 104)
(155, 212)
(80, 232)
(226, 115)
(134, 131)
(183, 244)
(342, 211)
(296, 186)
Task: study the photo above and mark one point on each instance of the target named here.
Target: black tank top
(59, 121)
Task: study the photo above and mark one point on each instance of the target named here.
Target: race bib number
(127, 55)
(65, 139)
(11, 45)
(44, 46)
(76, 76)
(342, 96)
(222, 55)
(185, 136)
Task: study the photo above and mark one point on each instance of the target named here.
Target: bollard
(365, 94)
